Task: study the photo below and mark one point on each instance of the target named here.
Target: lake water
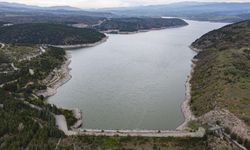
(134, 81)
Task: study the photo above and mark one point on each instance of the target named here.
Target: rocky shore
(78, 115)
(62, 75)
(186, 110)
(56, 79)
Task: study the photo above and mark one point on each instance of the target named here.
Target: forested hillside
(26, 121)
(136, 24)
(43, 33)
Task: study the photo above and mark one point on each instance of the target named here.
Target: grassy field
(222, 74)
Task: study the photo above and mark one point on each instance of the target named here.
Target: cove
(134, 81)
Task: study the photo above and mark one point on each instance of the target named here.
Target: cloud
(105, 3)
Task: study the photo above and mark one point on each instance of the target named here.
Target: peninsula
(133, 24)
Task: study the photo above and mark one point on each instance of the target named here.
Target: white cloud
(105, 3)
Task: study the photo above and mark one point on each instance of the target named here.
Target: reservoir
(134, 81)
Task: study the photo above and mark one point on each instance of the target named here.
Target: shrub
(193, 125)
(240, 140)
(218, 122)
(233, 136)
(227, 130)
(247, 144)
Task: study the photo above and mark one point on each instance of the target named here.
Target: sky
(106, 3)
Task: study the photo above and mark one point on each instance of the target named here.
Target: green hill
(221, 78)
(231, 36)
(43, 33)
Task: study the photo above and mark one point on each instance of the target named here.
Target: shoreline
(141, 31)
(77, 46)
(65, 76)
(64, 71)
(185, 106)
(59, 77)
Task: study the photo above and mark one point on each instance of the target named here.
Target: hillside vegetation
(136, 24)
(222, 74)
(43, 33)
(23, 126)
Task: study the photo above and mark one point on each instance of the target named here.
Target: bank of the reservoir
(133, 81)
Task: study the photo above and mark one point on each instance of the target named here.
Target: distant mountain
(205, 11)
(6, 5)
(202, 11)
(10, 6)
(20, 13)
(23, 8)
(68, 8)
